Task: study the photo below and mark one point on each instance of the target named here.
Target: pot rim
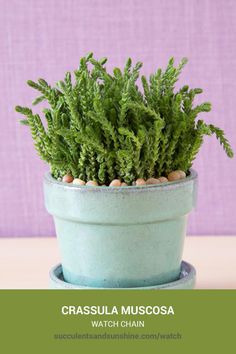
(165, 185)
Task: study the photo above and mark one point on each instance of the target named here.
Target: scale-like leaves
(102, 126)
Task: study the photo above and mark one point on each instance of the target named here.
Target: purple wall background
(46, 38)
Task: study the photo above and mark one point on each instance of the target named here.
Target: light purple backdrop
(46, 38)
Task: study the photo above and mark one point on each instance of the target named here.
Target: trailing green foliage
(101, 126)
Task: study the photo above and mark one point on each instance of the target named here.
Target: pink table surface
(25, 262)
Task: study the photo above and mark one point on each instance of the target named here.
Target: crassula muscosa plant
(101, 126)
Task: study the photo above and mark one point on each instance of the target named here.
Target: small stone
(115, 183)
(163, 179)
(152, 181)
(123, 184)
(182, 174)
(79, 181)
(140, 182)
(174, 176)
(67, 179)
(91, 183)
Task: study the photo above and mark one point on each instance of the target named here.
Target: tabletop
(25, 262)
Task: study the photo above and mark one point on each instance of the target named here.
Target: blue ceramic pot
(120, 236)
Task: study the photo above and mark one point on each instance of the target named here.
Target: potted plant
(120, 185)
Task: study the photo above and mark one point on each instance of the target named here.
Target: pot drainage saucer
(186, 280)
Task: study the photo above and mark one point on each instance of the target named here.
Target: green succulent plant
(101, 126)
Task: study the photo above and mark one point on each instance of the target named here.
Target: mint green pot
(119, 237)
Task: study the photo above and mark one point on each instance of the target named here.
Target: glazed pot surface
(120, 236)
